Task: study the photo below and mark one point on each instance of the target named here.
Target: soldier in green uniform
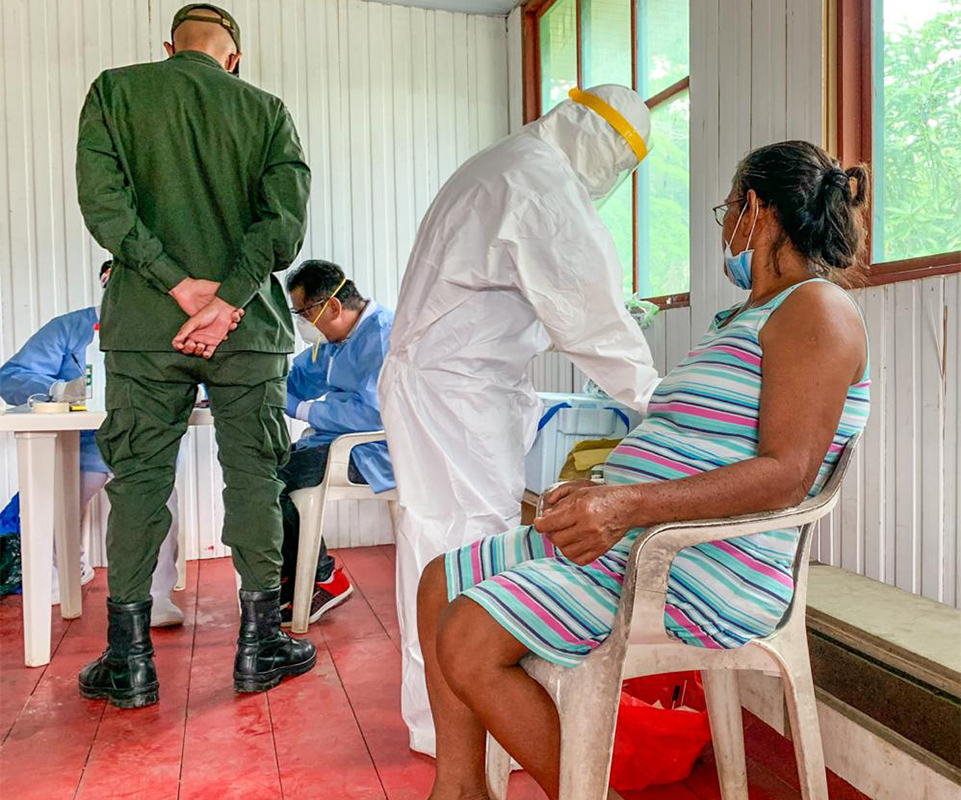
(195, 181)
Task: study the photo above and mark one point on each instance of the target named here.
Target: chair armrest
(338, 457)
(655, 549)
(348, 441)
(649, 564)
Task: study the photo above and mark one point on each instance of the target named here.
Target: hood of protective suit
(598, 154)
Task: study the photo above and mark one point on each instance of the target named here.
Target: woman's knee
(432, 589)
(457, 650)
(472, 648)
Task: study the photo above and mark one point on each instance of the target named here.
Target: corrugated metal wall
(388, 100)
(899, 518)
(756, 77)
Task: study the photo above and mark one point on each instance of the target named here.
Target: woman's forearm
(764, 483)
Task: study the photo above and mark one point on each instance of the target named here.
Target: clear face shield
(634, 156)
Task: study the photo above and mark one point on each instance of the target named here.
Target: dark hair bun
(858, 180)
(817, 204)
(835, 179)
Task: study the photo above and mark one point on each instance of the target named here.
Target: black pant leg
(305, 468)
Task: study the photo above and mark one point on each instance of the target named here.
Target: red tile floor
(334, 734)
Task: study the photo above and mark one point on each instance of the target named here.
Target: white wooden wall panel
(756, 78)
(388, 101)
(898, 519)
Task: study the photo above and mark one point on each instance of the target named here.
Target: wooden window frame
(849, 115)
(532, 11)
(850, 128)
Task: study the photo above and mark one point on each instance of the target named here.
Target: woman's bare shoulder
(823, 315)
(819, 302)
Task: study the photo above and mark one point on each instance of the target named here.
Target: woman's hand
(551, 498)
(585, 520)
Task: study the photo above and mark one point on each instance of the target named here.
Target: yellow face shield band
(320, 313)
(614, 118)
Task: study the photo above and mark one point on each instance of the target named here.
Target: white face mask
(308, 331)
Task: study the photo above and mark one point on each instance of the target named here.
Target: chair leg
(308, 551)
(181, 583)
(803, 714)
(587, 701)
(727, 731)
(498, 769)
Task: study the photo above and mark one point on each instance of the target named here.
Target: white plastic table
(48, 463)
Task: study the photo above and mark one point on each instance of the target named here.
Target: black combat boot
(265, 654)
(125, 673)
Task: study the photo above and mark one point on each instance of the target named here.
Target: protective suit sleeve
(569, 272)
(307, 383)
(342, 412)
(38, 363)
(108, 205)
(273, 241)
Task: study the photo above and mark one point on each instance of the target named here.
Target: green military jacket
(186, 171)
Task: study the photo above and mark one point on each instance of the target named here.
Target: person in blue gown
(55, 355)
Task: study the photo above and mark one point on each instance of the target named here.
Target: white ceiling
(492, 7)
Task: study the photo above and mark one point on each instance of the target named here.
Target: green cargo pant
(150, 397)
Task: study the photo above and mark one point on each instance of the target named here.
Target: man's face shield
(637, 149)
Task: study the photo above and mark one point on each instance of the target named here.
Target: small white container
(96, 374)
(567, 419)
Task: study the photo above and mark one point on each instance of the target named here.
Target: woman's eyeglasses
(720, 211)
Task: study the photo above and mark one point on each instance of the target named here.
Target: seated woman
(752, 420)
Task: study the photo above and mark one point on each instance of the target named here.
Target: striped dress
(703, 415)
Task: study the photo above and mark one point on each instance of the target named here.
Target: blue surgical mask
(738, 267)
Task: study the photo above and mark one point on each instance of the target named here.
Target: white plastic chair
(312, 505)
(587, 695)
(181, 583)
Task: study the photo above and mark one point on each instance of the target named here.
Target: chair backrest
(802, 556)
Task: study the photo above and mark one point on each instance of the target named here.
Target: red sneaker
(327, 595)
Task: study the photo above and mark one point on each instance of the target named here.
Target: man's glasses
(303, 312)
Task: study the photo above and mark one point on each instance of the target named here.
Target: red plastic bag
(656, 740)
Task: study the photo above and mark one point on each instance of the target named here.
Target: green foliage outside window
(664, 247)
(663, 213)
(606, 46)
(917, 129)
(558, 35)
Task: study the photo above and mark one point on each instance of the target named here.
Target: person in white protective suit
(511, 258)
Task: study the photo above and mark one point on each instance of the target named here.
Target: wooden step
(893, 657)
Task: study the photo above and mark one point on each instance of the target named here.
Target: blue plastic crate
(567, 419)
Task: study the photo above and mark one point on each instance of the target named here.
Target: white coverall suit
(511, 258)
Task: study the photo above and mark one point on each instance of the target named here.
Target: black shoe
(265, 654)
(125, 673)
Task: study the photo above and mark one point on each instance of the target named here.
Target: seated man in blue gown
(332, 387)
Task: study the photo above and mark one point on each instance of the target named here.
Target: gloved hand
(303, 410)
(74, 391)
(56, 390)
